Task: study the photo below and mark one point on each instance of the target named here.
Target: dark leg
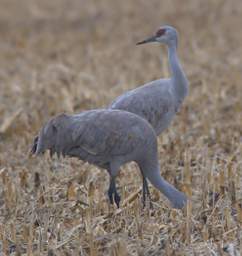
(146, 192)
(112, 191)
(117, 198)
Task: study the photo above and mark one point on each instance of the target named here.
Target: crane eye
(160, 32)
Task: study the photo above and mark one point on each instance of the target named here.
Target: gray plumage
(159, 100)
(108, 139)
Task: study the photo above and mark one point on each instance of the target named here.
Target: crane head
(165, 34)
(53, 136)
(46, 138)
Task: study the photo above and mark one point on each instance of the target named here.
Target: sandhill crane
(159, 100)
(108, 139)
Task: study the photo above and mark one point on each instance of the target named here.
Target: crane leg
(146, 192)
(112, 192)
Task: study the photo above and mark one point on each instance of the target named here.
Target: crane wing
(97, 139)
(152, 102)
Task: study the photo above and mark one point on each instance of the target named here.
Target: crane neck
(151, 171)
(178, 77)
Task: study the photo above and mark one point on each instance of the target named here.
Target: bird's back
(153, 101)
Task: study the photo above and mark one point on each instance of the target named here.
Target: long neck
(152, 172)
(179, 80)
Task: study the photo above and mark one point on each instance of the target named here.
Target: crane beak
(148, 40)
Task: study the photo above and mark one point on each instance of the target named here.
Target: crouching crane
(108, 139)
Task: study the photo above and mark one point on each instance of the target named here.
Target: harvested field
(68, 56)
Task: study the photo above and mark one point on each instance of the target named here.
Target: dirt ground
(73, 55)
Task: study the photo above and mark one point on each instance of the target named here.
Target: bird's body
(108, 139)
(158, 101)
(100, 137)
(153, 101)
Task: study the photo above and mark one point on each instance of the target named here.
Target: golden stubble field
(63, 55)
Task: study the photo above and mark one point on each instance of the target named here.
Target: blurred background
(73, 55)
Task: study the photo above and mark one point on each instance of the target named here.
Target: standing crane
(158, 101)
(108, 139)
